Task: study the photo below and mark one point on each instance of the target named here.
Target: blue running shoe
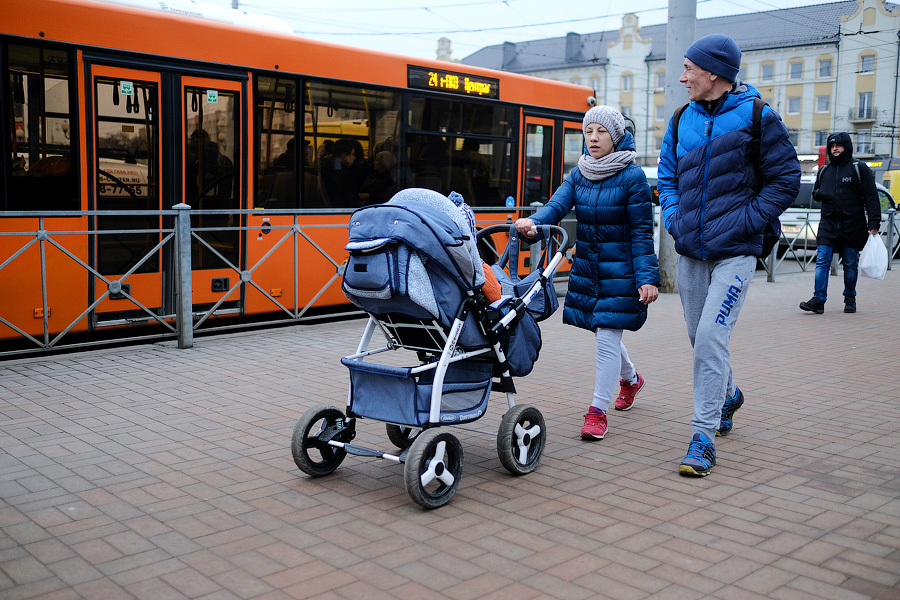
(701, 457)
(728, 410)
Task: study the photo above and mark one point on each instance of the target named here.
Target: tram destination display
(424, 78)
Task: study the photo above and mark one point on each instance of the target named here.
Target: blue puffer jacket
(614, 239)
(704, 184)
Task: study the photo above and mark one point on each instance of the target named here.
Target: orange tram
(114, 114)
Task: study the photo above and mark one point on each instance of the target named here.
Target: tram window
(538, 154)
(471, 155)
(453, 116)
(211, 177)
(127, 173)
(280, 159)
(41, 167)
(573, 148)
(349, 127)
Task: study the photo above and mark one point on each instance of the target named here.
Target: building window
(595, 83)
(660, 112)
(823, 104)
(795, 70)
(821, 138)
(626, 111)
(658, 142)
(824, 67)
(660, 80)
(793, 106)
(576, 80)
(767, 72)
(863, 141)
(742, 73)
(794, 136)
(626, 83)
(867, 63)
(865, 110)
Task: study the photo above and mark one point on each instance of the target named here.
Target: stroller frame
(432, 457)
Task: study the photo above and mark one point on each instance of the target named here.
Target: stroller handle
(555, 230)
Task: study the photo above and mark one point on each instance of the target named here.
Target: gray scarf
(598, 169)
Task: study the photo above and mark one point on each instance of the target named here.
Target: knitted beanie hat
(718, 54)
(610, 118)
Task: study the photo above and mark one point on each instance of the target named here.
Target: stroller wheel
(433, 468)
(309, 444)
(521, 438)
(402, 436)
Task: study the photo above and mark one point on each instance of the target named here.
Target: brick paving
(158, 473)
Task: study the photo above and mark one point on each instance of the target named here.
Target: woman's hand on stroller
(526, 227)
(648, 293)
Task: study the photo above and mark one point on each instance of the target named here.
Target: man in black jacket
(846, 189)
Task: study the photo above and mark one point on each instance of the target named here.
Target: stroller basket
(402, 395)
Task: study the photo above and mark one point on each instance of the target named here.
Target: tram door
(125, 176)
(538, 161)
(572, 149)
(211, 128)
(132, 173)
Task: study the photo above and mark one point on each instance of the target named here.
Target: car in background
(800, 222)
(650, 174)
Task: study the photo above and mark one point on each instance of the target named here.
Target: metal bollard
(184, 314)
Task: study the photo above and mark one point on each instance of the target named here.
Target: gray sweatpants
(712, 294)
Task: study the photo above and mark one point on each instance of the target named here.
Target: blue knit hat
(718, 54)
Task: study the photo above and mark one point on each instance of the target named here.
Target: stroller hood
(421, 227)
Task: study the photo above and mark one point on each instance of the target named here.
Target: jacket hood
(842, 138)
(626, 143)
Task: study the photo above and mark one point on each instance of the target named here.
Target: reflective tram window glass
(127, 173)
(573, 148)
(211, 177)
(354, 133)
(276, 145)
(41, 168)
(538, 154)
(463, 147)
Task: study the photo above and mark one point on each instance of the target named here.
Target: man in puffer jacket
(847, 193)
(716, 209)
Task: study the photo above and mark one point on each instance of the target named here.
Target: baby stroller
(414, 268)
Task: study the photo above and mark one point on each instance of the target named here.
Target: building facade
(824, 68)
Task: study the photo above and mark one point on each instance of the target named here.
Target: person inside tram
(379, 186)
(210, 174)
(340, 182)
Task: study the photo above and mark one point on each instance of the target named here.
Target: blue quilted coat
(706, 183)
(614, 246)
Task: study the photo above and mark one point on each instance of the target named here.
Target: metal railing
(184, 322)
(796, 245)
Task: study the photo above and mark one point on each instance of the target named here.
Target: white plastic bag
(873, 258)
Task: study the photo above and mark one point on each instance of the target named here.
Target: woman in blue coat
(615, 274)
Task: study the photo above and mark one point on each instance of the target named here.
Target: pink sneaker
(594, 424)
(627, 392)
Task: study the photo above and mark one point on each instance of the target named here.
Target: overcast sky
(413, 27)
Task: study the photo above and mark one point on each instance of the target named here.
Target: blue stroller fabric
(414, 256)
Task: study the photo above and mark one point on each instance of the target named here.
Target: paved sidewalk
(158, 473)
